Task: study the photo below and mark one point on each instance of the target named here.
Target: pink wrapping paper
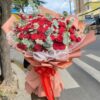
(33, 84)
(7, 26)
(32, 80)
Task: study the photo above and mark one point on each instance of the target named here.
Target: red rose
(59, 38)
(52, 37)
(62, 18)
(21, 46)
(73, 27)
(41, 36)
(49, 23)
(46, 28)
(34, 21)
(78, 39)
(37, 47)
(30, 16)
(73, 37)
(72, 31)
(22, 16)
(27, 36)
(34, 36)
(21, 35)
(61, 24)
(41, 21)
(20, 29)
(61, 30)
(41, 30)
(55, 18)
(67, 22)
(59, 46)
(40, 15)
(26, 28)
(16, 28)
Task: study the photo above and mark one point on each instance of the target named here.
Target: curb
(87, 68)
(22, 94)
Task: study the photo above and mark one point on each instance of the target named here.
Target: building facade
(78, 5)
(84, 5)
(89, 11)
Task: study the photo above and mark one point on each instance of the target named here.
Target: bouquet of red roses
(46, 38)
(49, 43)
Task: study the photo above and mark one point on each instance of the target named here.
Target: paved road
(87, 77)
(89, 88)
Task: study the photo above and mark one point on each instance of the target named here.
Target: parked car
(94, 24)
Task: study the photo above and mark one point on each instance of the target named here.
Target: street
(89, 86)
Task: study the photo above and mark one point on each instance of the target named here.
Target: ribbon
(45, 74)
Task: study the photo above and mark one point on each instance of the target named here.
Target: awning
(89, 12)
(94, 11)
(90, 21)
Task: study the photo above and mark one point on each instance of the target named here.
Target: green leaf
(70, 24)
(65, 13)
(27, 42)
(49, 31)
(55, 23)
(46, 45)
(66, 39)
(49, 41)
(49, 17)
(17, 40)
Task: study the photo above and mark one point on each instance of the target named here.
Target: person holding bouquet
(48, 44)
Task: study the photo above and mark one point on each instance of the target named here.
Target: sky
(59, 5)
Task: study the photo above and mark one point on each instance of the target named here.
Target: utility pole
(70, 6)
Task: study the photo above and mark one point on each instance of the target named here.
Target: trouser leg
(26, 63)
(35, 97)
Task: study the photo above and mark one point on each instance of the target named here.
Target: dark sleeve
(26, 63)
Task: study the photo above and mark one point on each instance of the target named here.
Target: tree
(38, 2)
(20, 4)
(65, 13)
(4, 48)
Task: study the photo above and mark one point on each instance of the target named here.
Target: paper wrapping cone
(63, 64)
(76, 52)
(7, 26)
(90, 37)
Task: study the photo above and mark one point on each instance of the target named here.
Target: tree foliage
(20, 4)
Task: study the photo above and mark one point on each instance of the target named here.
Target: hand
(62, 65)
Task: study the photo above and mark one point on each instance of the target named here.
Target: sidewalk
(22, 94)
(18, 57)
